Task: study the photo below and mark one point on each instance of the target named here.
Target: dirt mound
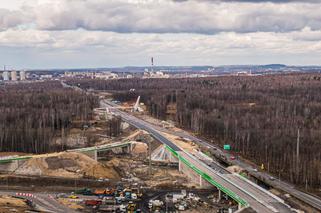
(139, 148)
(67, 164)
(56, 163)
(9, 204)
(234, 169)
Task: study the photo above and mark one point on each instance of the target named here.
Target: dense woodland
(32, 114)
(259, 116)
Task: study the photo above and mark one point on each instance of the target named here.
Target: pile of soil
(139, 148)
(234, 169)
(10, 204)
(67, 164)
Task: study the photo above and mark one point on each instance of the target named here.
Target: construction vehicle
(155, 205)
(109, 200)
(128, 193)
(134, 196)
(104, 192)
(99, 192)
(137, 192)
(120, 199)
(131, 208)
(93, 202)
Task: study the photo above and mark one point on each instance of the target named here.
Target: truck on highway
(93, 202)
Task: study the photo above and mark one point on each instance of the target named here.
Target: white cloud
(161, 43)
(165, 16)
(184, 32)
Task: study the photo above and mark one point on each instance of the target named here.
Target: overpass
(245, 193)
(95, 149)
(88, 150)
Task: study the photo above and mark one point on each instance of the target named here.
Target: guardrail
(100, 148)
(208, 178)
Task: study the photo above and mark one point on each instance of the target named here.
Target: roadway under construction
(245, 193)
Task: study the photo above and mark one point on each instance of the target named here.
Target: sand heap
(10, 204)
(139, 148)
(67, 164)
(234, 169)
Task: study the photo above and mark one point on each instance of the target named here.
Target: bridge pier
(219, 195)
(193, 176)
(95, 155)
(92, 154)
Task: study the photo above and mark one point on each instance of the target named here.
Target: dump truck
(93, 202)
(104, 192)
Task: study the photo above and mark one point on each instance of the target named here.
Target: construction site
(111, 166)
(115, 164)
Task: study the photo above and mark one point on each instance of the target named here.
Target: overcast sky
(109, 33)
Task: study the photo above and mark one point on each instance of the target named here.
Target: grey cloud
(9, 19)
(254, 1)
(168, 16)
(185, 17)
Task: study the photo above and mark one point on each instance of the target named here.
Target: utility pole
(62, 138)
(298, 146)
(306, 184)
(150, 157)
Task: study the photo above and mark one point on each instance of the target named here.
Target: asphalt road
(257, 197)
(307, 198)
(274, 182)
(43, 202)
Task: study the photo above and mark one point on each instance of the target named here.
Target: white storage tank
(22, 75)
(5, 76)
(13, 75)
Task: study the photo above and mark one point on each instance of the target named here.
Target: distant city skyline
(117, 33)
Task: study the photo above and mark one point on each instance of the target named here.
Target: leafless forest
(259, 116)
(32, 114)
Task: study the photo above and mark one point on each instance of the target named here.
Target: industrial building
(5, 76)
(12, 75)
(22, 75)
(92, 75)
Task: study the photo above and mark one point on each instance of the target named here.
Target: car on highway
(272, 178)
(62, 195)
(73, 197)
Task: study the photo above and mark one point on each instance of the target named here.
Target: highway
(275, 182)
(259, 199)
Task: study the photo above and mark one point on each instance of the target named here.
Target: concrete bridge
(11, 163)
